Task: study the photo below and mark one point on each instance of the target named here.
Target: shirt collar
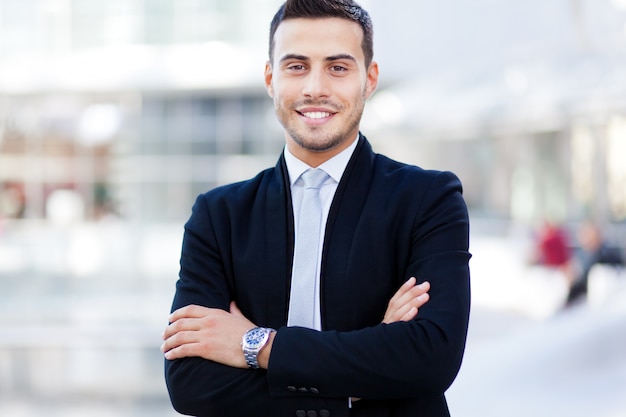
(334, 167)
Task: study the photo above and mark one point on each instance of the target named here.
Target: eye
(338, 68)
(295, 67)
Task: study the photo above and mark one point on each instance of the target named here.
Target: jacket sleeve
(197, 386)
(203, 388)
(419, 358)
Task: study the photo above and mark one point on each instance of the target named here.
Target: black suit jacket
(388, 221)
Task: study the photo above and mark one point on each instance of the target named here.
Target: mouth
(316, 114)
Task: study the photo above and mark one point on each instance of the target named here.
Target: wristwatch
(253, 341)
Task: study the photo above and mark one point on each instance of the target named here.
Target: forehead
(320, 37)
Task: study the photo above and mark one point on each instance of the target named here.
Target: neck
(317, 158)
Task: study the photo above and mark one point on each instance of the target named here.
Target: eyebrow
(294, 56)
(327, 59)
(340, 57)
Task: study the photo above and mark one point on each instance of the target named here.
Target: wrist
(253, 342)
(264, 354)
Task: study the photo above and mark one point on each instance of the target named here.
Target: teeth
(316, 115)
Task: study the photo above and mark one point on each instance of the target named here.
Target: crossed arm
(406, 363)
(216, 335)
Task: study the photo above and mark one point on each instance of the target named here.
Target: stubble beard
(315, 139)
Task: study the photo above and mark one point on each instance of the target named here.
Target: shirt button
(300, 413)
(314, 390)
(324, 413)
(292, 388)
(311, 413)
(303, 389)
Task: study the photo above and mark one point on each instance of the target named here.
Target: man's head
(320, 74)
(317, 9)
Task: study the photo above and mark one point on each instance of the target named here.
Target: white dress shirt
(335, 168)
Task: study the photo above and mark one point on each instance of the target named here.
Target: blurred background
(115, 115)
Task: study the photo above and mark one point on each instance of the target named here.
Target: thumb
(235, 310)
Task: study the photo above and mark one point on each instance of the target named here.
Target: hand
(210, 333)
(406, 302)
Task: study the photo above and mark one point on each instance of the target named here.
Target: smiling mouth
(316, 114)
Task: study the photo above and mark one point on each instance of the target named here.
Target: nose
(316, 84)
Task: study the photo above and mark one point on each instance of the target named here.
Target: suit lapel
(347, 206)
(279, 238)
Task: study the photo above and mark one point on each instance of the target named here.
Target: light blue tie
(304, 275)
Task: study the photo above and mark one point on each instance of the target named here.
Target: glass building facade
(138, 105)
(76, 114)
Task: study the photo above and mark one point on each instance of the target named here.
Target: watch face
(255, 338)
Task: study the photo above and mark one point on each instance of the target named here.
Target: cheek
(280, 104)
(280, 98)
(353, 93)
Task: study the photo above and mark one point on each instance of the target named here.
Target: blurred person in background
(387, 309)
(594, 250)
(553, 251)
(553, 248)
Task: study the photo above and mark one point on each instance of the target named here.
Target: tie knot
(314, 178)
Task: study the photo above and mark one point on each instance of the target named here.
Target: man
(348, 339)
(594, 250)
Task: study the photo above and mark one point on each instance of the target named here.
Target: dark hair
(316, 9)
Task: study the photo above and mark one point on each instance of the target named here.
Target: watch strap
(251, 354)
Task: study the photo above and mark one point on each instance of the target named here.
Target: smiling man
(319, 96)
(335, 283)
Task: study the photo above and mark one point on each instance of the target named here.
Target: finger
(397, 311)
(190, 311)
(179, 339)
(409, 311)
(419, 289)
(420, 300)
(406, 311)
(398, 314)
(403, 289)
(182, 351)
(414, 292)
(409, 295)
(409, 315)
(424, 286)
(181, 325)
(235, 310)
(413, 303)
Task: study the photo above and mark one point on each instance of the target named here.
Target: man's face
(319, 84)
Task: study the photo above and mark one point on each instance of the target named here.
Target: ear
(372, 79)
(268, 79)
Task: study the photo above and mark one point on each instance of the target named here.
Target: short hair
(317, 9)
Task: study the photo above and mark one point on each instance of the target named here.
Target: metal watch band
(252, 347)
(251, 359)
